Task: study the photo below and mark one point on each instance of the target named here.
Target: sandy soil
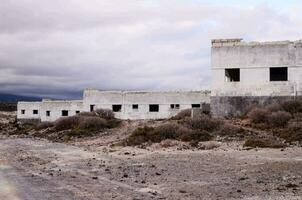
(35, 169)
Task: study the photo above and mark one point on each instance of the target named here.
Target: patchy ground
(93, 168)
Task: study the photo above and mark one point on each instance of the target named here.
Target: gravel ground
(37, 169)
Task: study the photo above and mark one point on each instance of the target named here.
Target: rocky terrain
(96, 168)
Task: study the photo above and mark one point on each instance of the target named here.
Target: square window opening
(232, 75)
(64, 113)
(135, 106)
(153, 108)
(116, 108)
(172, 106)
(77, 112)
(195, 105)
(35, 112)
(22, 112)
(278, 74)
(48, 113)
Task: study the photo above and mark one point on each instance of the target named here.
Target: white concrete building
(246, 73)
(126, 105)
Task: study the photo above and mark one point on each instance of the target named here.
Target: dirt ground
(93, 168)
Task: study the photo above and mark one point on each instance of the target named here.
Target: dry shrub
(263, 143)
(65, 123)
(167, 131)
(258, 115)
(87, 114)
(279, 118)
(183, 114)
(204, 122)
(292, 106)
(105, 113)
(170, 131)
(293, 133)
(139, 136)
(44, 125)
(231, 130)
(92, 123)
(274, 107)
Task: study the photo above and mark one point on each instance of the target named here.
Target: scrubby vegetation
(164, 132)
(263, 143)
(182, 114)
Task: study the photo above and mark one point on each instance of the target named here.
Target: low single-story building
(124, 104)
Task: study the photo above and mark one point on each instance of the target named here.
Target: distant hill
(11, 98)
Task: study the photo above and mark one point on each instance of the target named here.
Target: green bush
(279, 119)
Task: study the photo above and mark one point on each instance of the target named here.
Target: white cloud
(59, 47)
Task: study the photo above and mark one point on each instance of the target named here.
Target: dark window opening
(35, 112)
(153, 108)
(195, 105)
(135, 106)
(64, 113)
(48, 113)
(22, 112)
(174, 106)
(278, 74)
(77, 111)
(116, 108)
(232, 75)
(92, 108)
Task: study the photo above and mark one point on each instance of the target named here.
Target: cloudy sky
(56, 48)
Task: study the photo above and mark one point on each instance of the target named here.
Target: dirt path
(35, 169)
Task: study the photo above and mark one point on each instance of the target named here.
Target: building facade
(249, 73)
(125, 105)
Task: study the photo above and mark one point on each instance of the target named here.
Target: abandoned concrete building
(248, 73)
(243, 74)
(125, 105)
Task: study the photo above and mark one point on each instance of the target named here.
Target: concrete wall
(254, 59)
(105, 99)
(56, 107)
(28, 108)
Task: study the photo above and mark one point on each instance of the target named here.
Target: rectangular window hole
(232, 75)
(22, 112)
(116, 108)
(135, 106)
(195, 105)
(153, 108)
(35, 112)
(92, 108)
(48, 113)
(278, 74)
(64, 113)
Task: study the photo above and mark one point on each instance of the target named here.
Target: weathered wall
(56, 106)
(105, 99)
(29, 107)
(254, 60)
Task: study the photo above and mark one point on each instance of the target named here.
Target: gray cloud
(56, 48)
